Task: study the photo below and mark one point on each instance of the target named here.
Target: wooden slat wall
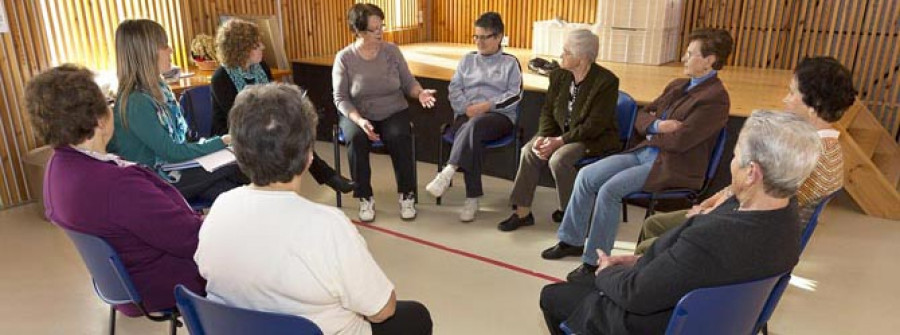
(23, 53)
(453, 20)
(863, 34)
(83, 31)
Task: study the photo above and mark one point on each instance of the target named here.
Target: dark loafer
(340, 184)
(584, 274)
(561, 250)
(514, 222)
(557, 216)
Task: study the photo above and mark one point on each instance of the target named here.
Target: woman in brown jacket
(679, 130)
(577, 120)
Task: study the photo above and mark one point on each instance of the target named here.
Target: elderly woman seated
(143, 218)
(578, 119)
(820, 92)
(636, 294)
(679, 130)
(295, 256)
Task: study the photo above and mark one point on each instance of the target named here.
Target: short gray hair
(785, 146)
(583, 44)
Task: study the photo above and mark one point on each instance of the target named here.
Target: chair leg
(112, 320)
(173, 330)
(337, 160)
(650, 208)
(765, 328)
(415, 169)
(440, 164)
(624, 210)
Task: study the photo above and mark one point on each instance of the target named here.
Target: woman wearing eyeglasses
(371, 84)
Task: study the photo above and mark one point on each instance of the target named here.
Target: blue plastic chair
(514, 137)
(111, 281)
(727, 309)
(681, 193)
(626, 112)
(196, 102)
(204, 316)
(337, 138)
(775, 297)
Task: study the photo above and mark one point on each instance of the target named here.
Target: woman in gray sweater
(371, 83)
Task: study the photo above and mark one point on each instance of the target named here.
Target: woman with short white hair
(578, 120)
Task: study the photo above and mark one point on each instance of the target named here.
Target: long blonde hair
(137, 58)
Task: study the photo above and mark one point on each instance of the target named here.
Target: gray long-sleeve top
(375, 88)
(496, 78)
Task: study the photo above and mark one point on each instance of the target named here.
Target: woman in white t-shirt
(265, 247)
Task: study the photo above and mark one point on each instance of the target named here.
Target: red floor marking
(460, 252)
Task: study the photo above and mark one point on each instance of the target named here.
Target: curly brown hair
(65, 104)
(234, 41)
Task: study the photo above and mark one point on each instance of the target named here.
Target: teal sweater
(146, 142)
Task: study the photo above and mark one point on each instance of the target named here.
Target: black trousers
(320, 170)
(396, 135)
(197, 183)
(560, 300)
(410, 318)
(468, 147)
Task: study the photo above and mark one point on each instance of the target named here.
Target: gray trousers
(562, 166)
(468, 147)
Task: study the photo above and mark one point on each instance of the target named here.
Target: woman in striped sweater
(820, 92)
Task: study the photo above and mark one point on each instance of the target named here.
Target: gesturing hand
(369, 129)
(426, 98)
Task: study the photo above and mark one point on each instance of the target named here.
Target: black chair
(204, 316)
(514, 137)
(111, 281)
(197, 105)
(337, 138)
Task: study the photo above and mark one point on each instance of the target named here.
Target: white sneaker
(467, 214)
(407, 206)
(439, 184)
(366, 209)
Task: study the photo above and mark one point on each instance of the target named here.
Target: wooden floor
(471, 275)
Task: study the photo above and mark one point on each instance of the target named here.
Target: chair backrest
(626, 111)
(197, 105)
(814, 220)
(728, 309)
(204, 316)
(775, 297)
(714, 158)
(111, 280)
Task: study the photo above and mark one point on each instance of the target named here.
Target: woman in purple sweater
(88, 190)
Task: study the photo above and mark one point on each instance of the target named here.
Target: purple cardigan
(141, 216)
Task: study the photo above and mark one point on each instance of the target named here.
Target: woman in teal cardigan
(149, 125)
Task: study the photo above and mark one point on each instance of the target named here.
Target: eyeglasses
(381, 28)
(483, 37)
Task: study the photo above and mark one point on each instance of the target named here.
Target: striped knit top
(828, 176)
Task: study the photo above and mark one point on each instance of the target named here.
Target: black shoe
(560, 250)
(340, 184)
(514, 222)
(557, 216)
(584, 274)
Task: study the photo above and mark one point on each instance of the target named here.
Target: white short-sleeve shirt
(279, 252)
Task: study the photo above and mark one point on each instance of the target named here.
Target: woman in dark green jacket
(149, 125)
(578, 120)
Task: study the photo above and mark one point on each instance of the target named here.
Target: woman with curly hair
(240, 48)
(150, 126)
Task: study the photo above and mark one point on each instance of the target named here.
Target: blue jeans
(599, 189)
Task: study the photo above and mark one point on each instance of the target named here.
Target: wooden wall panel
(452, 20)
(864, 35)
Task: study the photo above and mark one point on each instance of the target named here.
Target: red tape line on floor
(460, 252)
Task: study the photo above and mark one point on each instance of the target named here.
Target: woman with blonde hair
(240, 47)
(150, 127)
